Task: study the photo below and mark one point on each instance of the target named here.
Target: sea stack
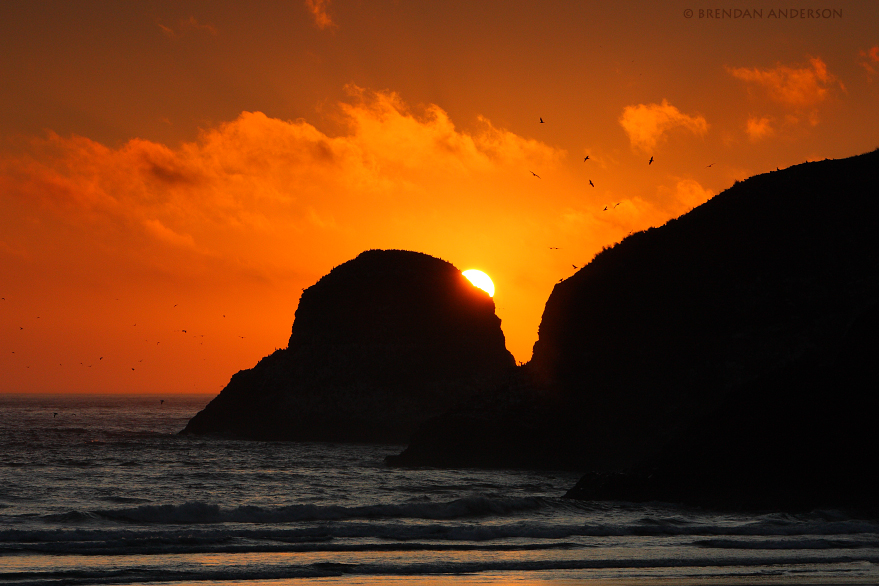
(378, 345)
(725, 358)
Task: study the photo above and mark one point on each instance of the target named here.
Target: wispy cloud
(646, 124)
(869, 60)
(186, 25)
(799, 87)
(759, 128)
(318, 9)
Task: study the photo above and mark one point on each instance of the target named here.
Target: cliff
(379, 344)
(685, 333)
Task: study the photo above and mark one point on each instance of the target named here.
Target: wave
(196, 513)
(751, 568)
(390, 534)
(123, 500)
(798, 544)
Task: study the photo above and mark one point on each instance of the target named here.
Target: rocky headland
(378, 345)
(726, 358)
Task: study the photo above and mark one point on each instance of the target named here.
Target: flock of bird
(606, 208)
(586, 158)
(100, 358)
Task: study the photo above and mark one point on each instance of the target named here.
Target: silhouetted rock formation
(378, 345)
(721, 349)
(801, 437)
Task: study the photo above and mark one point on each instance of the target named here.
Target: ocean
(102, 490)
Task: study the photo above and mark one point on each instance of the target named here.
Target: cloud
(798, 87)
(646, 124)
(165, 234)
(258, 182)
(689, 193)
(759, 128)
(869, 59)
(318, 9)
(187, 25)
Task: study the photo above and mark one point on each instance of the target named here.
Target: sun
(481, 280)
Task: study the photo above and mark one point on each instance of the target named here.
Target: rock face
(734, 340)
(379, 344)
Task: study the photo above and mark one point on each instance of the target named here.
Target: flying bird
(541, 120)
(54, 415)
(586, 159)
(616, 204)
(535, 174)
(590, 183)
(575, 266)
(605, 209)
(650, 162)
(161, 401)
(706, 166)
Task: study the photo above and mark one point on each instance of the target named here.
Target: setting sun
(481, 280)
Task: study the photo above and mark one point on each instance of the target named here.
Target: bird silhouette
(54, 415)
(616, 204)
(590, 183)
(575, 266)
(161, 401)
(535, 174)
(650, 162)
(706, 166)
(541, 120)
(586, 159)
(605, 209)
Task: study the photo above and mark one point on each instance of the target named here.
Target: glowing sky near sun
(173, 175)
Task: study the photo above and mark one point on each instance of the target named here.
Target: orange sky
(172, 175)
